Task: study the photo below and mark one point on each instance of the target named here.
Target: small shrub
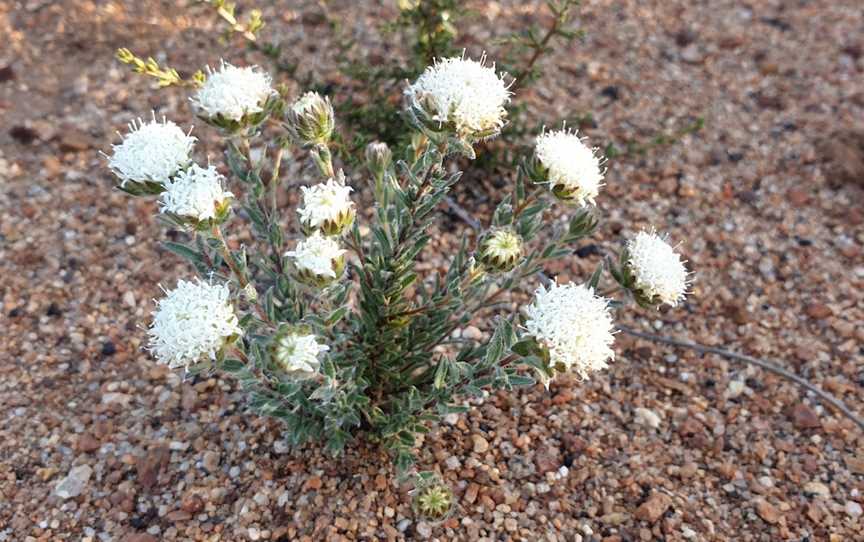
(336, 331)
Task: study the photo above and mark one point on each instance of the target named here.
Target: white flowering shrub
(325, 319)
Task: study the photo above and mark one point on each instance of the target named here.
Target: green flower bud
(311, 119)
(378, 158)
(500, 250)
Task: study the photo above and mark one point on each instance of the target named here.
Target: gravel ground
(99, 443)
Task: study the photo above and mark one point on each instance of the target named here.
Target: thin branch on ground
(767, 365)
(832, 401)
(460, 211)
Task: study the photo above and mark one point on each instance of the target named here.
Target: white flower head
(660, 273)
(575, 170)
(297, 352)
(233, 92)
(574, 325)
(318, 257)
(195, 193)
(464, 92)
(327, 206)
(151, 151)
(191, 323)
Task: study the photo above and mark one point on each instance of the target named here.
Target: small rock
(548, 460)
(108, 348)
(7, 73)
(313, 483)
(192, 504)
(654, 508)
(116, 398)
(149, 465)
(73, 140)
(647, 417)
(767, 511)
(87, 443)
(178, 516)
(74, 483)
(735, 388)
(692, 54)
(424, 530)
(614, 519)
(818, 311)
(855, 464)
(797, 197)
(178, 446)
(140, 537)
(472, 333)
(804, 417)
(46, 473)
(853, 509)
(481, 445)
(254, 533)
(817, 489)
(471, 493)
(210, 461)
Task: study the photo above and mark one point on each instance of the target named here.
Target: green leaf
(521, 380)
(595, 277)
(441, 374)
(184, 252)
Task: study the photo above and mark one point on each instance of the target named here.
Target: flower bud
(318, 261)
(433, 499)
(500, 250)
(378, 158)
(311, 119)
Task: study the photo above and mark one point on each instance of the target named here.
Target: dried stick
(767, 365)
(832, 401)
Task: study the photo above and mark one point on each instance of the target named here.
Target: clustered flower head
(462, 92)
(151, 152)
(327, 207)
(660, 274)
(192, 323)
(297, 352)
(196, 193)
(311, 119)
(318, 260)
(501, 250)
(575, 172)
(233, 92)
(574, 325)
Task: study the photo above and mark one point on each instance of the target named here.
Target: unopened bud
(500, 250)
(311, 119)
(378, 158)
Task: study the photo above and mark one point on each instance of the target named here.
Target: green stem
(324, 160)
(228, 257)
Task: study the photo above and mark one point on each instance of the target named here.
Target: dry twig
(829, 399)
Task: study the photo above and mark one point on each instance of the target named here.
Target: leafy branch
(166, 76)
